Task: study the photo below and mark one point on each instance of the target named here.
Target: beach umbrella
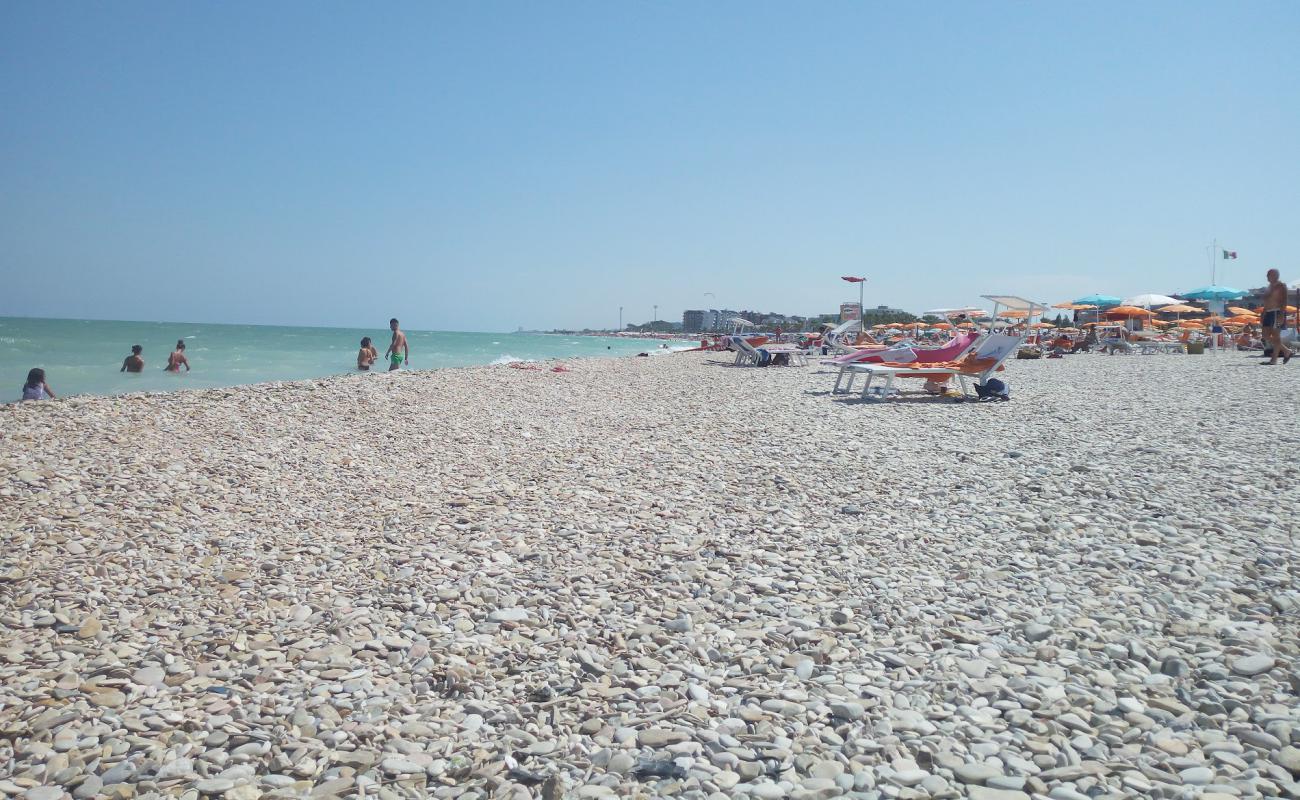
(1243, 319)
(1191, 323)
(1042, 325)
(1128, 311)
(1239, 311)
(1099, 300)
(965, 324)
(1215, 293)
(1149, 300)
(1179, 308)
(1015, 313)
(942, 326)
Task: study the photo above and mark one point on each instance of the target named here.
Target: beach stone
(398, 765)
(1252, 665)
(1197, 776)
(848, 710)
(986, 793)
(976, 773)
(214, 785)
(1036, 632)
(1288, 758)
(176, 768)
(149, 676)
(656, 737)
(109, 699)
(43, 793)
(508, 615)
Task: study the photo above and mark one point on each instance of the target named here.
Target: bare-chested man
(398, 352)
(135, 361)
(1273, 320)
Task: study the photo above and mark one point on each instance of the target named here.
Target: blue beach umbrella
(1214, 293)
(1098, 300)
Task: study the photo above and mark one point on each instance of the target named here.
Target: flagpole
(1214, 249)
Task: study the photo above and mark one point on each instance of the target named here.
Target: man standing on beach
(1273, 320)
(396, 358)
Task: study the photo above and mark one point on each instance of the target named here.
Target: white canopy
(1013, 303)
(740, 321)
(969, 311)
(1148, 300)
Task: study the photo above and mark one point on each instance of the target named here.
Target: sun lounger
(954, 349)
(977, 365)
(747, 353)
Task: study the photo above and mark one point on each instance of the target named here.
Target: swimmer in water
(133, 362)
(177, 359)
(367, 355)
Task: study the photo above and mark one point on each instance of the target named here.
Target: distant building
(701, 321)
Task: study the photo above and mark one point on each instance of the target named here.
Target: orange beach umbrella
(1128, 311)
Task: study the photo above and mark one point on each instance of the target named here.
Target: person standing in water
(1273, 320)
(133, 362)
(177, 359)
(367, 355)
(396, 358)
(36, 388)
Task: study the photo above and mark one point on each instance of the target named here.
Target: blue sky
(479, 166)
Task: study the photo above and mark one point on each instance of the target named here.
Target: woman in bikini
(177, 359)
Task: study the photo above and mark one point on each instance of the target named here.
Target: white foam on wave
(508, 359)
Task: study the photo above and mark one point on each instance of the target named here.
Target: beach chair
(748, 354)
(954, 349)
(977, 366)
(833, 341)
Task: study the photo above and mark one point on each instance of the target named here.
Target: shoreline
(668, 576)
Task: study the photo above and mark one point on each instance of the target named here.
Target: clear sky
(485, 165)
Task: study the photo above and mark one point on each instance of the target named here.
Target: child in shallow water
(36, 388)
(367, 354)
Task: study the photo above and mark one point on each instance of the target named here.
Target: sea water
(85, 356)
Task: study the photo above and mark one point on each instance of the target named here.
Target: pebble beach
(657, 577)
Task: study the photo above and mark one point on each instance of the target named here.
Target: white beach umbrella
(1148, 300)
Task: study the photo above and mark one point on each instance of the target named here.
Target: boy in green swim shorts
(398, 352)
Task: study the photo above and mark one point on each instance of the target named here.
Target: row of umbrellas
(1152, 300)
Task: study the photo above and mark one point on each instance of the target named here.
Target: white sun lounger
(993, 349)
(747, 353)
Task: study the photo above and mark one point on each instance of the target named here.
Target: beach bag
(764, 358)
(993, 389)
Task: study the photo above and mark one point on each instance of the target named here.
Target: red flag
(852, 280)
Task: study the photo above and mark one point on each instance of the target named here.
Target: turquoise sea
(84, 356)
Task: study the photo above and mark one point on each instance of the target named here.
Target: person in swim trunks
(1273, 320)
(133, 362)
(398, 352)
